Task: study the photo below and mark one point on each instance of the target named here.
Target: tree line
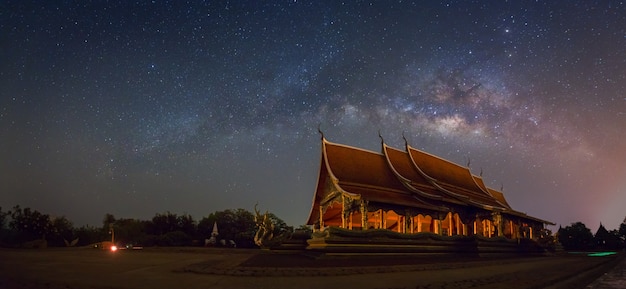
(25, 227)
(577, 237)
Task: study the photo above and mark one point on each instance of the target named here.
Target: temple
(407, 192)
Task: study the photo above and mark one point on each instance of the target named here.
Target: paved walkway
(614, 279)
(220, 269)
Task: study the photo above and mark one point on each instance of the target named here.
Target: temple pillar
(321, 218)
(466, 220)
(497, 220)
(485, 228)
(350, 221)
(475, 231)
(419, 223)
(343, 212)
(363, 215)
(383, 219)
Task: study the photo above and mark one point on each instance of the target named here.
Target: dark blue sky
(139, 108)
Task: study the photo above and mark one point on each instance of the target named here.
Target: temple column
(437, 226)
(343, 212)
(321, 218)
(450, 224)
(497, 220)
(383, 219)
(419, 223)
(475, 227)
(465, 223)
(379, 219)
(363, 215)
(350, 221)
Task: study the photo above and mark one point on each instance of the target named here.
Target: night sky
(139, 108)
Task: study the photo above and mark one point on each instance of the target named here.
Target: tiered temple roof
(408, 178)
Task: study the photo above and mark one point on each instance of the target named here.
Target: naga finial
(319, 129)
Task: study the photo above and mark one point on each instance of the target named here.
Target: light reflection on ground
(595, 254)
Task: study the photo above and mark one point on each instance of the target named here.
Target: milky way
(139, 108)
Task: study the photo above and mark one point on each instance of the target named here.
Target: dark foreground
(213, 268)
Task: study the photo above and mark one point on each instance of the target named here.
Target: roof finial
(501, 188)
(406, 142)
(469, 161)
(381, 137)
(320, 130)
(481, 172)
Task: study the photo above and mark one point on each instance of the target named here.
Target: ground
(239, 268)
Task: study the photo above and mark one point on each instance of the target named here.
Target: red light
(113, 248)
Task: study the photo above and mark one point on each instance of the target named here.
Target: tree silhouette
(237, 225)
(576, 237)
(165, 229)
(29, 224)
(605, 240)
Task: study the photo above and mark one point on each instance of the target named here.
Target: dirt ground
(237, 268)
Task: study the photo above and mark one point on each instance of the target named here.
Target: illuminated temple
(408, 192)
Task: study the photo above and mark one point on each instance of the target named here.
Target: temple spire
(382, 141)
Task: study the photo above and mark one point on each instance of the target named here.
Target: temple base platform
(336, 241)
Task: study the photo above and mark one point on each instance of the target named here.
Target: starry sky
(137, 108)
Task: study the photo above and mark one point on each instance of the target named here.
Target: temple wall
(352, 215)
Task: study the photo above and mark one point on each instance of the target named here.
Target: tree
(622, 230)
(169, 229)
(621, 234)
(29, 224)
(88, 235)
(186, 224)
(280, 226)
(237, 225)
(4, 232)
(130, 231)
(576, 237)
(606, 240)
(61, 229)
(3, 218)
(164, 223)
(107, 222)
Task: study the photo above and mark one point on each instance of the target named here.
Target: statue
(70, 244)
(264, 236)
